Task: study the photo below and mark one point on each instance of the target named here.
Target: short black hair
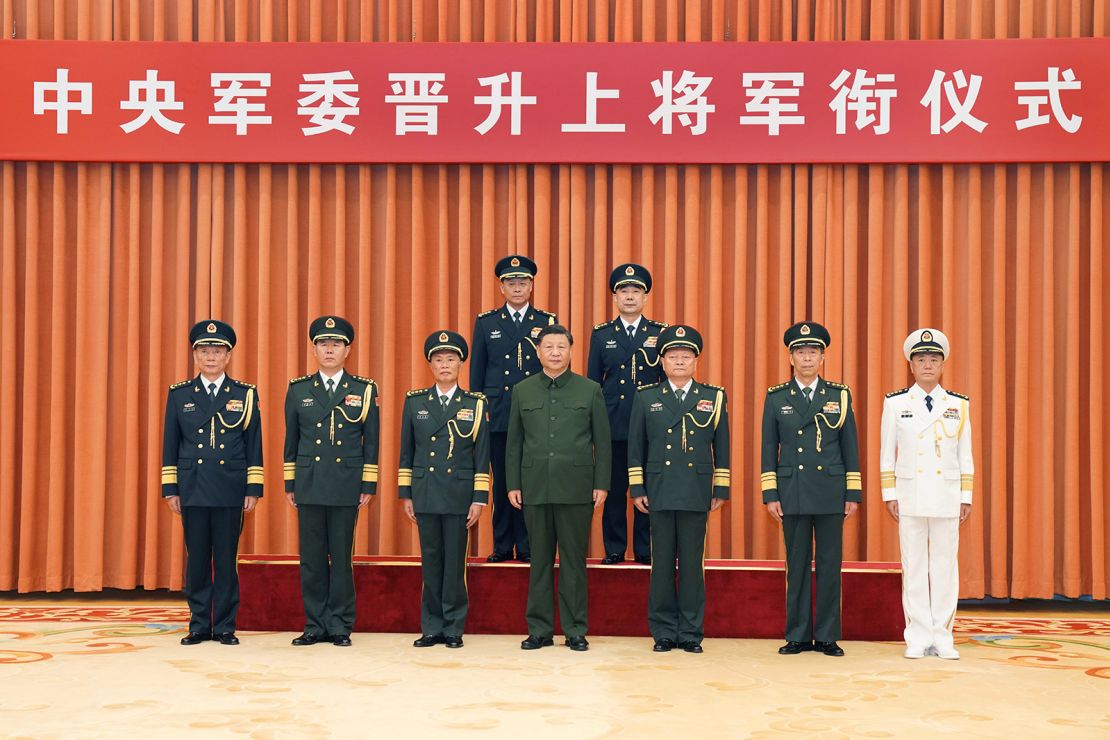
(555, 329)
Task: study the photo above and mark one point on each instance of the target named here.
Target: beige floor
(114, 679)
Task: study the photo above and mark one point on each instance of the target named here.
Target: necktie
(929, 403)
(518, 317)
(679, 394)
(331, 388)
(808, 393)
(632, 332)
(212, 396)
(443, 399)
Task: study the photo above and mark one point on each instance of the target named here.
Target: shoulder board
(417, 392)
(892, 394)
(714, 387)
(182, 384)
(549, 314)
(475, 394)
(649, 387)
(602, 325)
(653, 322)
(958, 395)
(243, 384)
(301, 379)
(490, 312)
(778, 387)
(842, 386)
(359, 378)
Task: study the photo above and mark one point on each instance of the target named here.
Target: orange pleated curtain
(103, 267)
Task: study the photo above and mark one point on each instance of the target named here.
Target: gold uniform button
(317, 458)
(506, 387)
(667, 463)
(339, 459)
(341, 426)
(448, 470)
(938, 472)
(920, 470)
(670, 431)
(200, 462)
(668, 447)
(200, 446)
(432, 469)
(622, 395)
(799, 449)
(622, 381)
(319, 424)
(433, 439)
(819, 467)
(506, 372)
(339, 441)
(221, 447)
(527, 372)
(801, 467)
(433, 454)
(319, 441)
(799, 432)
(221, 462)
(222, 431)
(506, 357)
(200, 431)
(689, 465)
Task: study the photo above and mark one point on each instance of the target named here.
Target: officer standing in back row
(624, 356)
(503, 354)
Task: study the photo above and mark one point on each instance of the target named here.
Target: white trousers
(930, 578)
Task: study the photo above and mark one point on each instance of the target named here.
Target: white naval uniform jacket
(925, 457)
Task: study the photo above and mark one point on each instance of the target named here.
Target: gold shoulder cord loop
(838, 424)
(713, 419)
(939, 428)
(453, 429)
(244, 418)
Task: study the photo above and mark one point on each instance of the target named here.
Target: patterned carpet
(91, 670)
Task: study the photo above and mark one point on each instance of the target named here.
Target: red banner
(884, 101)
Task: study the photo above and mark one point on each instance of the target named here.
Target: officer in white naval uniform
(927, 474)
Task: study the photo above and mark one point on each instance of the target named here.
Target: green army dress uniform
(678, 456)
(558, 452)
(810, 463)
(444, 469)
(331, 460)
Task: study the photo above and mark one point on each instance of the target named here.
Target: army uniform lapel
(320, 393)
(798, 401)
(436, 411)
(940, 403)
(622, 338)
(820, 394)
(207, 407)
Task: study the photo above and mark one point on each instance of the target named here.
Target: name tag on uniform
(495, 334)
(465, 415)
(705, 406)
(307, 402)
(234, 405)
(907, 414)
(786, 410)
(611, 344)
(188, 407)
(656, 407)
(831, 407)
(952, 414)
(651, 341)
(536, 331)
(353, 401)
(422, 414)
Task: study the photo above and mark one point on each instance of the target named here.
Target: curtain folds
(103, 267)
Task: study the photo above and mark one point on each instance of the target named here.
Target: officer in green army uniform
(557, 467)
(678, 470)
(811, 482)
(331, 471)
(211, 475)
(443, 480)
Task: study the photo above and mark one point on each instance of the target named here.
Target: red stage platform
(745, 598)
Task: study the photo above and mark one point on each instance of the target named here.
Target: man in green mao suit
(811, 482)
(331, 471)
(443, 480)
(678, 470)
(557, 467)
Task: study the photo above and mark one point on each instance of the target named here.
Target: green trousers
(443, 597)
(567, 527)
(677, 611)
(327, 578)
(801, 531)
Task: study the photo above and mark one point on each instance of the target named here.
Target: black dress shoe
(453, 641)
(535, 642)
(341, 640)
(427, 640)
(306, 639)
(664, 645)
(793, 648)
(643, 559)
(612, 559)
(525, 558)
(691, 647)
(497, 557)
(828, 648)
(226, 638)
(194, 638)
(577, 644)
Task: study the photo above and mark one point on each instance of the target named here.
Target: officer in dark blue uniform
(624, 356)
(443, 480)
(504, 353)
(211, 475)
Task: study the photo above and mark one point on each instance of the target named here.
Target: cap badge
(443, 336)
(630, 270)
(805, 330)
(211, 328)
(680, 332)
(515, 262)
(926, 336)
(330, 323)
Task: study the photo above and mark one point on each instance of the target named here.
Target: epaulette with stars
(899, 392)
(301, 379)
(361, 379)
(647, 387)
(842, 386)
(602, 325)
(242, 383)
(958, 395)
(663, 324)
(490, 312)
(714, 387)
(417, 391)
(778, 387)
(182, 384)
(475, 394)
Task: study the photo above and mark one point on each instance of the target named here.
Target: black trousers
(443, 598)
(614, 517)
(211, 579)
(677, 611)
(327, 578)
(508, 522)
(801, 531)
